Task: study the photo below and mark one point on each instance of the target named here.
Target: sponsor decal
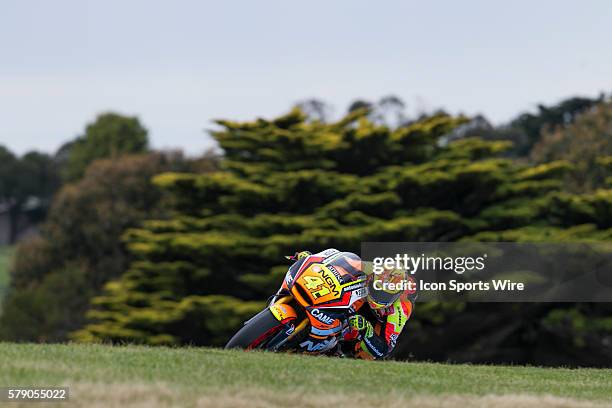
(331, 282)
(319, 346)
(322, 317)
(335, 272)
(361, 293)
(355, 286)
(355, 296)
(322, 284)
(372, 347)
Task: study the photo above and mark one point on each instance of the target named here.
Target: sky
(179, 64)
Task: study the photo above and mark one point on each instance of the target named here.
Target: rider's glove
(361, 324)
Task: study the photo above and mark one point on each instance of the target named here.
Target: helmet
(379, 295)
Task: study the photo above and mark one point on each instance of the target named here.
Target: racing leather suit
(383, 326)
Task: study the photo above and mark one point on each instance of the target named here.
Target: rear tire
(256, 332)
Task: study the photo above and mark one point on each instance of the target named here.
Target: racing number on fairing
(316, 285)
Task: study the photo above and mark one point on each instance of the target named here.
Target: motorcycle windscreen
(346, 266)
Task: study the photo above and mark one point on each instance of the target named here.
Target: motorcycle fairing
(326, 285)
(283, 313)
(324, 282)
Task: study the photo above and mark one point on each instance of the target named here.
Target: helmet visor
(385, 289)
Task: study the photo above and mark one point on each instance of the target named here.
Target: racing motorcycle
(309, 312)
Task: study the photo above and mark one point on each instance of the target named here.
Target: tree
(10, 191)
(389, 110)
(359, 104)
(80, 248)
(527, 129)
(110, 135)
(549, 118)
(288, 184)
(315, 109)
(40, 175)
(34, 176)
(583, 143)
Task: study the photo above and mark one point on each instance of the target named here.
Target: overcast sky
(179, 64)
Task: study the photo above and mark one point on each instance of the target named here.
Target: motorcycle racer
(379, 318)
(373, 331)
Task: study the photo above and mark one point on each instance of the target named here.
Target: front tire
(256, 332)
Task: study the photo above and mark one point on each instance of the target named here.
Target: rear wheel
(256, 332)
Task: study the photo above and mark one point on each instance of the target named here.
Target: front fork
(284, 313)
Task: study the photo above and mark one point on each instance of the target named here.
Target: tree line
(155, 248)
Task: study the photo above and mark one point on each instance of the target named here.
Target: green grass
(141, 376)
(6, 254)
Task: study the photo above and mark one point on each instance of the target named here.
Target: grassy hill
(104, 376)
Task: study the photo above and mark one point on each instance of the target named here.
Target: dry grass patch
(92, 395)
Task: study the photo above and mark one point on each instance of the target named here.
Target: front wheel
(256, 332)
